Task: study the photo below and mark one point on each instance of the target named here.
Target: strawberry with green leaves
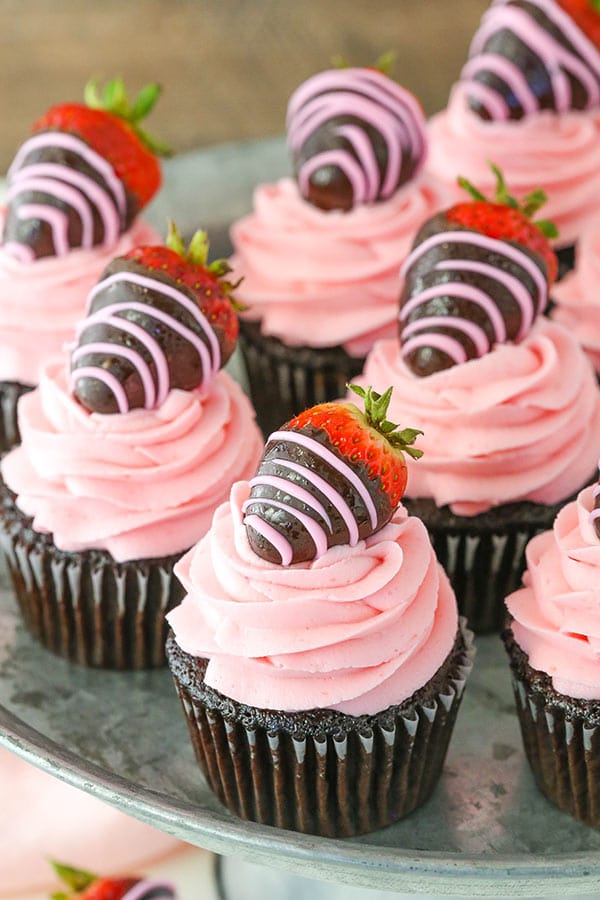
(533, 55)
(332, 475)
(477, 276)
(83, 176)
(159, 318)
(82, 885)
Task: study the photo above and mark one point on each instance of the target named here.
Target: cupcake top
(132, 450)
(75, 189)
(576, 295)
(555, 615)
(532, 84)
(320, 254)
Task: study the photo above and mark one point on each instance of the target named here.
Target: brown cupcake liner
(85, 606)
(284, 380)
(566, 260)
(322, 772)
(561, 737)
(484, 555)
(10, 391)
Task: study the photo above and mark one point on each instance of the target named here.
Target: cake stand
(486, 831)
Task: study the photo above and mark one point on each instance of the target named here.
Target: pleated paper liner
(322, 772)
(85, 606)
(483, 555)
(284, 380)
(10, 391)
(561, 736)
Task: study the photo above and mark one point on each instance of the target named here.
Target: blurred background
(227, 66)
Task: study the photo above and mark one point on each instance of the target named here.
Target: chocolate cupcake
(507, 401)
(318, 653)
(320, 254)
(125, 457)
(552, 643)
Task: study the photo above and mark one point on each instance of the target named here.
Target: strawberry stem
(196, 253)
(114, 100)
(595, 4)
(376, 408)
(75, 879)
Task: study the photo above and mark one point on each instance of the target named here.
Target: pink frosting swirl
(559, 153)
(358, 630)
(557, 613)
(322, 279)
(140, 485)
(519, 423)
(577, 296)
(41, 302)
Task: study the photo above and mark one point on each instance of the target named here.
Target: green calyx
(114, 99)
(375, 412)
(595, 4)
(529, 205)
(77, 880)
(196, 253)
(384, 63)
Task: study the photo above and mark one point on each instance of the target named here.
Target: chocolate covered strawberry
(332, 475)
(82, 885)
(83, 176)
(477, 276)
(159, 318)
(355, 136)
(530, 55)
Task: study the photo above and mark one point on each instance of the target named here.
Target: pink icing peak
(464, 292)
(312, 526)
(453, 348)
(108, 379)
(153, 284)
(137, 360)
(56, 219)
(471, 329)
(294, 490)
(281, 543)
(336, 463)
(493, 245)
(334, 497)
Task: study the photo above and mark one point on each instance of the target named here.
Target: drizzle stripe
(57, 219)
(462, 292)
(317, 534)
(22, 252)
(274, 537)
(344, 161)
(109, 380)
(51, 139)
(138, 361)
(294, 490)
(471, 329)
(453, 348)
(572, 32)
(518, 290)
(330, 458)
(494, 102)
(63, 192)
(334, 497)
(508, 72)
(151, 890)
(493, 245)
(153, 284)
(363, 148)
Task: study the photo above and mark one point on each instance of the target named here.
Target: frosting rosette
(577, 296)
(358, 630)
(41, 302)
(519, 423)
(556, 615)
(559, 153)
(321, 279)
(141, 485)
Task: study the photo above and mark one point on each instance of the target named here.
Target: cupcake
(320, 254)
(87, 886)
(553, 643)
(576, 298)
(74, 192)
(125, 457)
(318, 653)
(529, 98)
(507, 400)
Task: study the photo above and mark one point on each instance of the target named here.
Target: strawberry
(332, 475)
(159, 318)
(530, 55)
(355, 136)
(478, 275)
(84, 885)
(84, 175)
